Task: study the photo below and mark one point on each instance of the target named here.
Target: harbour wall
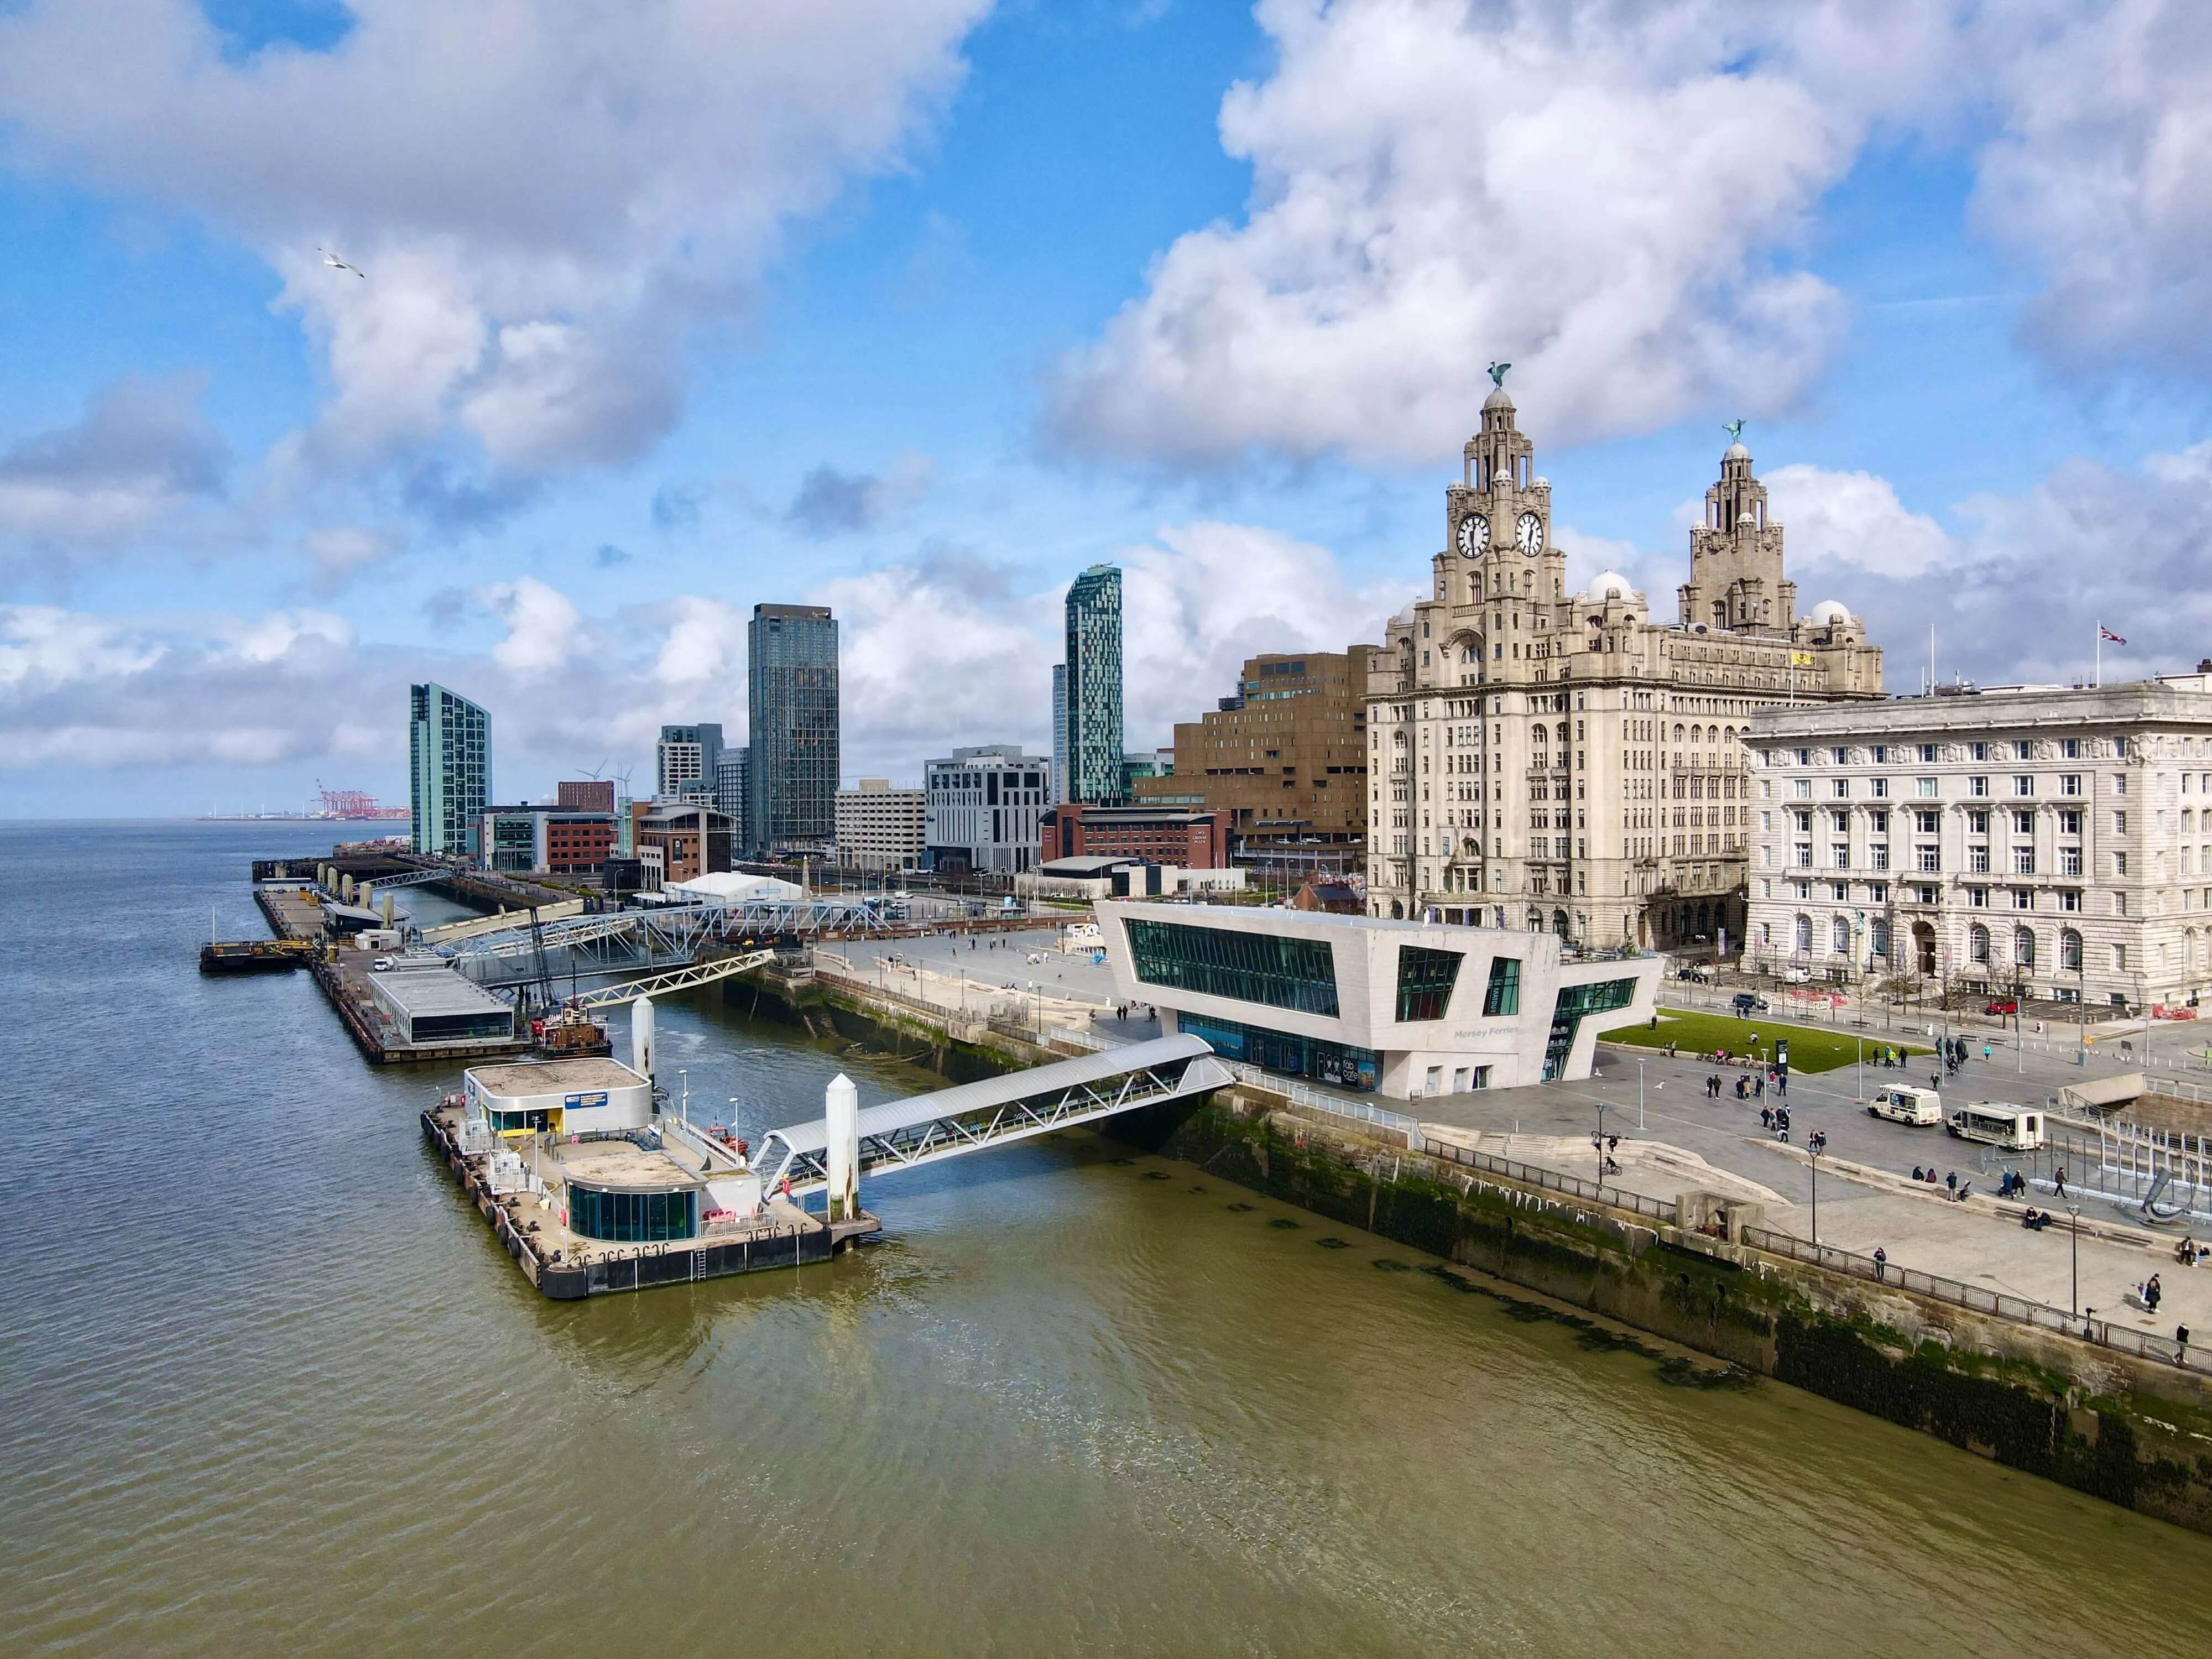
(2129, 1430)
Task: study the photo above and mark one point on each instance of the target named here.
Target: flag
(2105, 633)
(1801, 659)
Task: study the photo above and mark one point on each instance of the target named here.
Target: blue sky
(917, 308)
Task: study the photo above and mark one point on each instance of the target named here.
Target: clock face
(1473, 535)
(1528, 534)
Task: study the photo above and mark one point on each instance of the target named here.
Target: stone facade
(1538, 759)
(2048, 841)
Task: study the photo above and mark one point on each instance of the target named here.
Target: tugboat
(570, 1034)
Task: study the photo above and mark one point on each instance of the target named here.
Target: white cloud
(1602, 193)
(2100, 179)
(141, 451)
(1856, 518)
(544, 629)
(705, 647)
(543, 198)
(1209, 595)
(948, 650)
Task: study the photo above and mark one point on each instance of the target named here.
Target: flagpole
(2100, 654)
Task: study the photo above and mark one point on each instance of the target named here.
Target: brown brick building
(1285, 758)
(1187, 840)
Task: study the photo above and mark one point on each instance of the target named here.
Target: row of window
(1928, 754)
(1981, 944)
(1979, 787)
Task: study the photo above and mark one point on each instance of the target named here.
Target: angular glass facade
(1502, 996)
(1573, 1005)
(1280, 1051)
(1426, 979)
(791, 717)
(1091, 746)
(1283, 973)
(449, 770)
(620, 1217)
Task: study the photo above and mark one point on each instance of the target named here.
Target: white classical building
(1543, 759)
(2042, 841)
(1403, 1008)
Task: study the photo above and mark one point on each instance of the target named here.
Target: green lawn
(1811, 1048)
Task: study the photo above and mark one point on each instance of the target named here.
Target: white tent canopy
(735, 887)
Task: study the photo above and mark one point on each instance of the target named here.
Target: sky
(650, 312)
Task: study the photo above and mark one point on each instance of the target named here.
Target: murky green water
(269, 1388)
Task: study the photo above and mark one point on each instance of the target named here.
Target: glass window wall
(1281, 972)
(1293, 1056)
(632, 1217)
(1426, 979)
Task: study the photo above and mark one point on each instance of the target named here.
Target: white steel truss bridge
(682, 979)
(676, 932)
(904, 1135)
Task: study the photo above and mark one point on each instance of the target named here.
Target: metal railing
(1618, 1197)
(1996, 1304)
(1358, 1110)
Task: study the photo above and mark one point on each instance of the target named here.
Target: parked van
(1902, 1103)
(2014, 1128)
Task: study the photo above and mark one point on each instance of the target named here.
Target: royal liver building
(1543, 759)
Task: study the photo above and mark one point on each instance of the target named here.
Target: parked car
(1797, 976)
(2002, 1005)
(1750, 1002)
(1901, 1103)
(380, 965)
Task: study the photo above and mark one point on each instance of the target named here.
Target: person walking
(1881, 1261)
(2151, 1294)
(2059, 1181)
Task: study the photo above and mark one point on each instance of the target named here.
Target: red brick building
(586, 794)
(1187, 840)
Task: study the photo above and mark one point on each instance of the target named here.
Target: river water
(269, 1388)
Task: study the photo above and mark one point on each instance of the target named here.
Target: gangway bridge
(905, 1134)
(682, 979)
(679, 932)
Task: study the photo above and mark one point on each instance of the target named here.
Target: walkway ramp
(901, 1134)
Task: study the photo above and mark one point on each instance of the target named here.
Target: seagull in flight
(332, 259)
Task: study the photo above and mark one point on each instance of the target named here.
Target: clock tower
(1498, 551)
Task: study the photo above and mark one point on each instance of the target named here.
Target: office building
(1543, 759)
(1059, 732)
(983, 808)
(2042, 842)
(683, 841)
(544, 840)
(587, 795)
(1405, 1009)
(687, 762)
(449, 770)
(880, 828)
(1156, 834)
(1286, 757)
(1092, 740)
(732, 789)
(791, 712)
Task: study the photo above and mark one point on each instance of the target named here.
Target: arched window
(1880, 935)
(2023, 947)
(1841, 937)
(1677, 731)
(1804, 933)
(1978, 944)
(2070, 950)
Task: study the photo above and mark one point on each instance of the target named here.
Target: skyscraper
(687, 762)
(791, 686)
(448, 768)
(1092, 744)
(731, 793)
(1059, 732)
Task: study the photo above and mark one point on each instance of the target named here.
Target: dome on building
(1736, 452)
(1499, 398)
(1609, 585)
(1828, 613)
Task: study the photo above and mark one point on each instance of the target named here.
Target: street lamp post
(1597, 1140)
(2073, 1296)
(1639, 1094)
(1816, 1143)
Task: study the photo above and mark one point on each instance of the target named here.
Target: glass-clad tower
(449, 769)
(1059, 732)
(1091, 744)
(791, 711)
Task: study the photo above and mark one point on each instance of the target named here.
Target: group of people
(2036, 1220)
(1775, 1119)
(1953, 1187)
(2189, 1252)
(1751, 1087)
